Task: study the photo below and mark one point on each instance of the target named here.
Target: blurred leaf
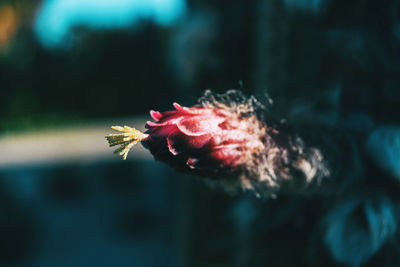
(358, 228)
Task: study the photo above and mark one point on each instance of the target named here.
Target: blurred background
(69, 69)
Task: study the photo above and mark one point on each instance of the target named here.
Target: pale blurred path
(77, 144)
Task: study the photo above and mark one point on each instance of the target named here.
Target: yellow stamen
(127, 139)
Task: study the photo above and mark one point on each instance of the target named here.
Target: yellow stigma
(127, 139)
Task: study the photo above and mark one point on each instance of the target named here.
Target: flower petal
(162, 123)
(226, 155)
(179, 108)
(180, 142)
(198, 125)
(162, 132)
(171, 146)
(156, 115)
(195, 110)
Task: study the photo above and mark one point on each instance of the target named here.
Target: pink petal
(162, 132)
(193, 110)
(168, 115)
(155, 115)
(150, 124)
(198, 141)
(226, 156)
(171, 146)
(179, 108)
(179, 141)
(198, 125)
(162, 123)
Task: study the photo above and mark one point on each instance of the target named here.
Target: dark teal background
(335, 62)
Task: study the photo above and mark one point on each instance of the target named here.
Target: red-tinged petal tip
(186, 110)
(155, 115)
(177, 106)
(150, 124)
(171, 147)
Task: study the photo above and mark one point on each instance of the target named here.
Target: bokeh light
(56, 18)
(8, 24)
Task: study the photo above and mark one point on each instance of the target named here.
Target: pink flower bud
(204, 139)
(224, 139)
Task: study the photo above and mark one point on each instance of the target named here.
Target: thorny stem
(127, 139)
